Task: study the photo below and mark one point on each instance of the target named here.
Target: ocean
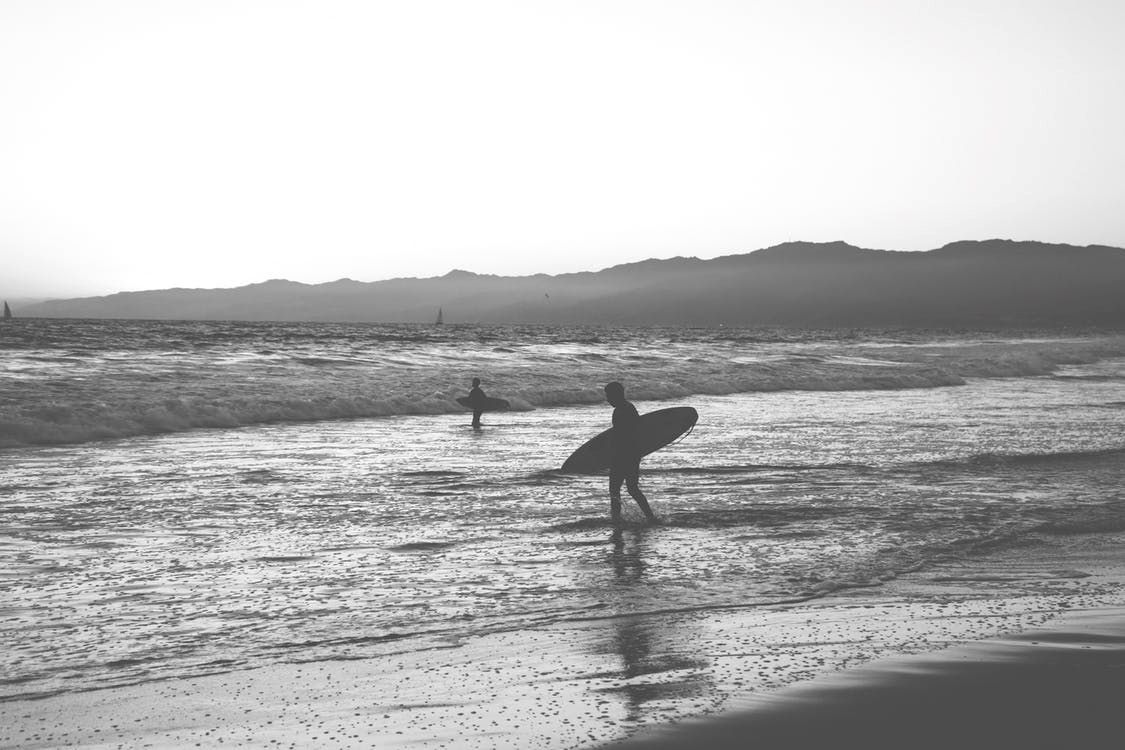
(180, 499)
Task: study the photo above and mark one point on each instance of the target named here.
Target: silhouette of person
(476, 398)
(625, 453)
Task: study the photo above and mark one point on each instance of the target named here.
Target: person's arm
(633, 434)
(624, 439)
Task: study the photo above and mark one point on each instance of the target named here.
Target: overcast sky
(148, 144)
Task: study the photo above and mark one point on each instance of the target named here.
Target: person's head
(476, 382)
(614, 393)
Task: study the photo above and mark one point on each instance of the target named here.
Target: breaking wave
(138, 380)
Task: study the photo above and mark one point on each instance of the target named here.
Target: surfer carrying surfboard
(478, 402)
(476, 399)
(625, 452)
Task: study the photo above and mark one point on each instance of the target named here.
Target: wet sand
(1012, 652)
(1060, 687)
(1054, 687)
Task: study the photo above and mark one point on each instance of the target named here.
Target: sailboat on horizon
(7, 311)
(438, 322)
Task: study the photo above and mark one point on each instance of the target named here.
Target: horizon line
(37, 299)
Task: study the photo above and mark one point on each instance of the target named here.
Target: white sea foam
(129, 378)
(349, 538)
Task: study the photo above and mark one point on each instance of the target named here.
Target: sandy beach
(975, 666)
(1054, 687)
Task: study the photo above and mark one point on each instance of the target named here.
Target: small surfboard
(655, 430)
(488, 404)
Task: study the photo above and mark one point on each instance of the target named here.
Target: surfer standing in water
(476, 398)
(625, 465)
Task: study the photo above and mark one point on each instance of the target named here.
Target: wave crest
(114, 392)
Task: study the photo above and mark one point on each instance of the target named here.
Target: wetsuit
(476, 398)
(625, 465)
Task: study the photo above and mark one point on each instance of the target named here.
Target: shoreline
(953, 657)
(1054, 687)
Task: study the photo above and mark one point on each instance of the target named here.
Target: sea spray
(74, 381)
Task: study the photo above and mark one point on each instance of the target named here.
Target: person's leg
(632, 483)
(476, 419)
(616, 478)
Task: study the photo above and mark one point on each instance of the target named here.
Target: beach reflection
(657, 669)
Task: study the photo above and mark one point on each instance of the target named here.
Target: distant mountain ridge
(830, 284)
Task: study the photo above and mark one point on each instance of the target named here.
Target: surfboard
(488, 404)
(656, 430)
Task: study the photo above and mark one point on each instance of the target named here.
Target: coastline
(1054, 687)
(1055, 683)
(1012, 653)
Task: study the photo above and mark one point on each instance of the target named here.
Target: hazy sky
(148, 144)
